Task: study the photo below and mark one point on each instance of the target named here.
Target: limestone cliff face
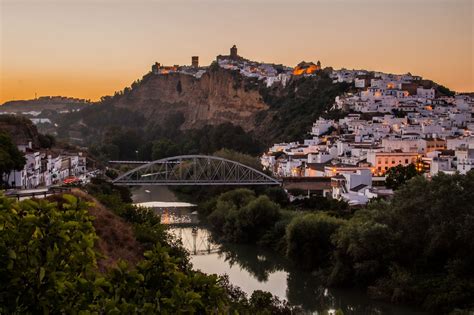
(218, 96)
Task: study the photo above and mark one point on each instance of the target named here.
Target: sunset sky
(92, 48)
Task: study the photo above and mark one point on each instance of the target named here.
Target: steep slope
(178, 113)
(218, 96)
(116, 237)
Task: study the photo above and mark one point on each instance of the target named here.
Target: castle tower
(155, 68)
(195, 61)
(233, 52)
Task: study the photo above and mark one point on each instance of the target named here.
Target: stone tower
(233, 52)
(195, 61)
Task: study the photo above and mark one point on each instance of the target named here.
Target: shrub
(239, 216)
(309, 239)
(46, 255)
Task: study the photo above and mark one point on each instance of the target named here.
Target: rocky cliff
(218, 96)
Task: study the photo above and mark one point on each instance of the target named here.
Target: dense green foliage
(118, 133)
(10, 157)
(444, 91)
(398, 175)
(46, 141)
(416, 248)
(308, 239)
(314, 203)
(239, 157)
(241, 216)
(47, 253)
(49, 265)
(301, 102)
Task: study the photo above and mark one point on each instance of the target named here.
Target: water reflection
(252, 268)
(258, 262)
(198, 241)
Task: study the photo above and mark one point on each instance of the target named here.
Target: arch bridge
(194, 170)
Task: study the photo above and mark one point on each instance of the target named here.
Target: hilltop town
(389, 121)
(268, 73)
(382, 121)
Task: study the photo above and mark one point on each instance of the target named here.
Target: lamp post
(136, 152)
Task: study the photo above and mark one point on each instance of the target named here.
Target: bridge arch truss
(195, 170)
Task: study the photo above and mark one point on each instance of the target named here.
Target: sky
(91, 48)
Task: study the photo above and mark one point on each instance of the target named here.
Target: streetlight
(136, 152)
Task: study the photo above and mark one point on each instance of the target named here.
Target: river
(253, 268)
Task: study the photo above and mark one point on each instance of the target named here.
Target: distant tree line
(119, 133)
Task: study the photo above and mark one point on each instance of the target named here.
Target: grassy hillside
(294, 109)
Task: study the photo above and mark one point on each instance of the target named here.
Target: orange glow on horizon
(89, 49)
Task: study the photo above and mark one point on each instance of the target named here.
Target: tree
(164, 148)
(46, 141)
(308, 239)
(416, 248)
(255, 218)
(239, 157)
(367, 244)
(10, 157)
(240, 216)
(49, 265)
(278, 195)
(47, 255)
(399, 175)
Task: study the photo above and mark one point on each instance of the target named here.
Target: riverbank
(252, 267)
(415, 249)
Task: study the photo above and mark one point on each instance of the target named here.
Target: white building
(425, 93)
